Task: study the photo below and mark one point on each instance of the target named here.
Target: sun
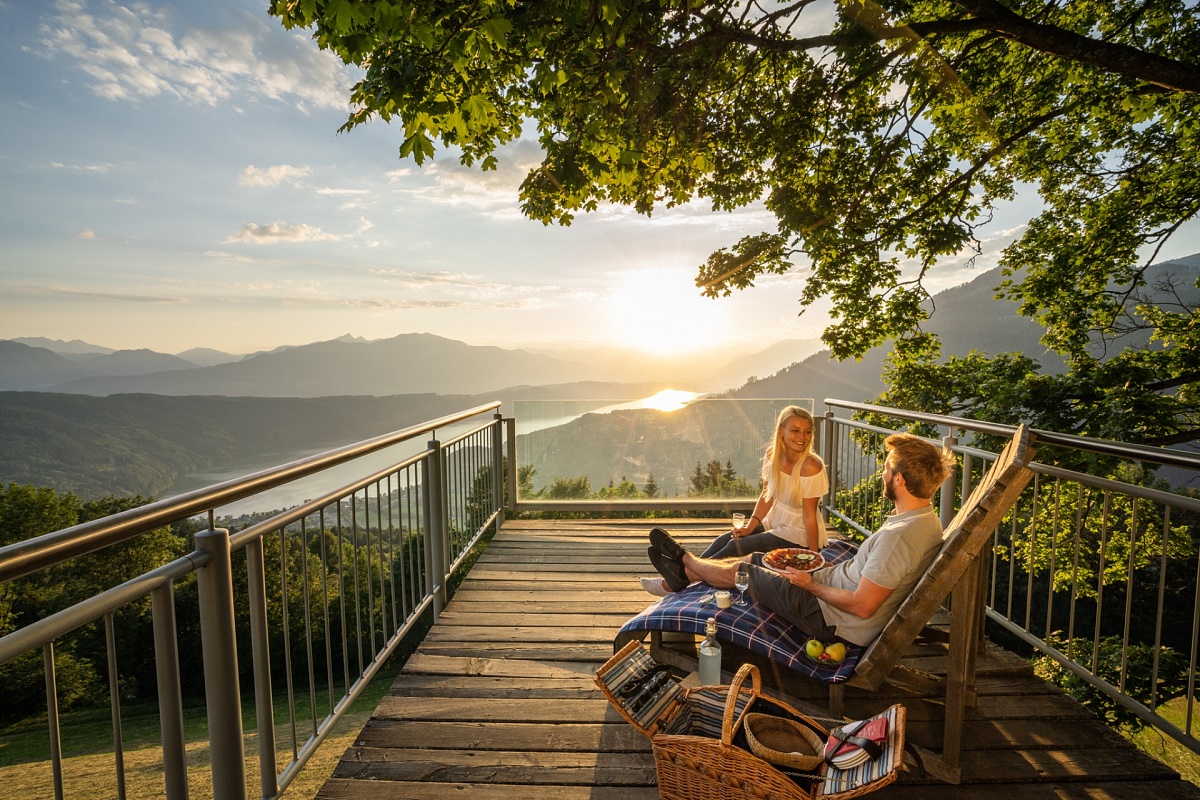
(661, 311)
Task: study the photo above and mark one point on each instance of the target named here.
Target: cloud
(426, 279)
(87, 233)
(132, 52)
(405, 303)
(95, 295)
(272, 176)
(101, 168)
(493, 192)
(473, 290)
(234, 257)
(277, 232)
(339, 192)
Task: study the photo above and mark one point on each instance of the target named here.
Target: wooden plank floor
(498, 702)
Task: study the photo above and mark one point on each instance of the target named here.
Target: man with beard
(853, 600)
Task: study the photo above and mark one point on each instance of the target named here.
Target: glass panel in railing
(671, 445)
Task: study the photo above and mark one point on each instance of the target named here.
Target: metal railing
(597, 442)
(1095, 569)
(305, 606)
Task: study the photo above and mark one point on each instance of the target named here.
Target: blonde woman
(794, 480)
(786, 515)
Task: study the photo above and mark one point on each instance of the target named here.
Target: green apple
(814, 648)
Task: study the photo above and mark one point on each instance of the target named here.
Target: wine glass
(739, 521)
(741, 580)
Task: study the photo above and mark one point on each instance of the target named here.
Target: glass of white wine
(741, 580)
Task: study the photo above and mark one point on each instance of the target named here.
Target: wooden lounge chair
(955, 573)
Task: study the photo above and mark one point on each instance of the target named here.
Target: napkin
(856, 742)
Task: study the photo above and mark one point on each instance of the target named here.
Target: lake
(531, 416)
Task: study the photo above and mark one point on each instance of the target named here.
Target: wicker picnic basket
(697, 759)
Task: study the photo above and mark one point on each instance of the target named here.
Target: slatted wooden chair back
(965, 538)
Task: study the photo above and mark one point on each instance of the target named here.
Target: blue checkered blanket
(753, 626)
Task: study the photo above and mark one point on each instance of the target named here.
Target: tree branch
(1119, 59)
(1180, 380)
(1182, 437)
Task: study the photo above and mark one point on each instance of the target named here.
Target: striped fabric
(708, 707)
(842, 780)
(753, 626)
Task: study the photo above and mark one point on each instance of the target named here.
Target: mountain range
(406, 364)
(141, 432)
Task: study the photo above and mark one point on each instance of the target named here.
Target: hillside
(141, 444)
(967, 317)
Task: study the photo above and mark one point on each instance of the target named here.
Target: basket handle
(735, 688)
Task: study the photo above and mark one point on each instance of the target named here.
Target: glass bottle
(710, 655)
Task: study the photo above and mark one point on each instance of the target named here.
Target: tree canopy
(881, 135)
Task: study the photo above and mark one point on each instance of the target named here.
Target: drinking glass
(742, 581)
(739, 521)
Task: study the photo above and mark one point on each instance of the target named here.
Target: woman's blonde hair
(773, 462)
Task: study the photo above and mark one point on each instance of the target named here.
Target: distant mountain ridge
(62, 347)
(966, 317)
(24, 367)
(411, 363)
(690, 372)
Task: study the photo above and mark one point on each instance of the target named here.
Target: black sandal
(665, 543)
(674, 576)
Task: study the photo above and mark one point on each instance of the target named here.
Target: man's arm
(862, 602)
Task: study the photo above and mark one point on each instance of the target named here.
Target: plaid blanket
(753, 626)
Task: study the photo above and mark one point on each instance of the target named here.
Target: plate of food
(800, 558)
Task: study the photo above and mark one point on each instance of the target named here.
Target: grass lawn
(89, 769)
(1166, 749)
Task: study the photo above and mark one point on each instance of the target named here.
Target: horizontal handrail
(47, 629)
(1133, 490)
(31, 555)
(1157, 455)
(726, 504)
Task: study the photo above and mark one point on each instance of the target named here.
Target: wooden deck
(498, 703)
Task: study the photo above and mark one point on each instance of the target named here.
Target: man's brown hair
(923, 466)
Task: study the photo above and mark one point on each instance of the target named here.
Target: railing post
(498, 469)
(170, 693)
(946, 501)
(114, 700)
(52, 719)
(435, 531)
(829, 448)
(219, 645)
(512, 464)
(260, 648)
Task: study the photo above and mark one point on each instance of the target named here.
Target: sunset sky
(173, 178)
